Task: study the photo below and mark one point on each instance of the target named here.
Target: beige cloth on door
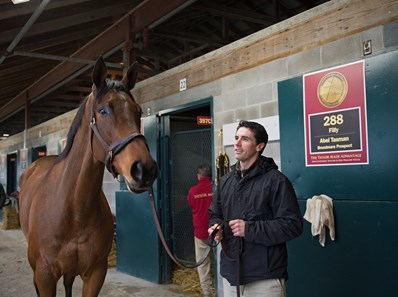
(320, 214)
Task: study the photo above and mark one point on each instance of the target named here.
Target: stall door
(362, 261)
(137, 243)
(139, 251)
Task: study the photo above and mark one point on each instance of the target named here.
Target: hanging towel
(320, 214)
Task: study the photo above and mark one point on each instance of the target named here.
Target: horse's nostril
(136, 171)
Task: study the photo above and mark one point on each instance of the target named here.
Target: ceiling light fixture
(19, 1)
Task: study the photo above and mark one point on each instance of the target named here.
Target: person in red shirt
(199, 199)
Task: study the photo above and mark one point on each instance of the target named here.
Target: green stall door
(137, 242)
(363, 259)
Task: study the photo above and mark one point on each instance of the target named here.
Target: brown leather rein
(210, 245)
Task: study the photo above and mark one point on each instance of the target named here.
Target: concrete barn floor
(16, 275)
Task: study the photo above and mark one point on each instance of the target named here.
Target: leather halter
(114, 148)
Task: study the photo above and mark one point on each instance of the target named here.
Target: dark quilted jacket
(266, 200)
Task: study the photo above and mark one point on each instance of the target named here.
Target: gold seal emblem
(332, 89)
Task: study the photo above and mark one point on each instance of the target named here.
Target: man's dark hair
(204, 170)
(259, 132)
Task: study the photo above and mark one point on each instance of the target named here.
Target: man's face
(246, 148)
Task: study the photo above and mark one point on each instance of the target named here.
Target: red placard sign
(203, 120)
(335, 116)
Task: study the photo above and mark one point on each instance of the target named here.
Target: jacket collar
(261, 164)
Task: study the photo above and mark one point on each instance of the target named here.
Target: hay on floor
(187, 280)
(10, 218)
(112, 255)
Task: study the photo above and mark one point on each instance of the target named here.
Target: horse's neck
(84, 169)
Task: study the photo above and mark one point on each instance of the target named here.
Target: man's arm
(287, 222)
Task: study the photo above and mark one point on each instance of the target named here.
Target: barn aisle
(16, 275)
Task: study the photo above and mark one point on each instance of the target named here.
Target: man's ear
(260, 146)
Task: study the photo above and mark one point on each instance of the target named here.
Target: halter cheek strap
(93, 128)
(114, 148)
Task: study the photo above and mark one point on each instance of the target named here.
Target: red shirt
(199, 199)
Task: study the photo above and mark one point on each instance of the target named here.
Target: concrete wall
(250, 92)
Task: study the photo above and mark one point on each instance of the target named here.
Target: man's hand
(237, 227)
(219, 234)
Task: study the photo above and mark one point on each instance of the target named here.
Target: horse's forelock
(112, 84)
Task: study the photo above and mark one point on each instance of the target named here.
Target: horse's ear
(130, 77)
(99, 73)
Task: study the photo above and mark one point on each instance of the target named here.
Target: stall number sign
(335, 116)
(203, 120)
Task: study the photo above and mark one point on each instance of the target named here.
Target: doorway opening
(190, 146)
(38, 152)
(186, 142)
(11, 173)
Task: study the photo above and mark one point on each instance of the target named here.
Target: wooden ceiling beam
(29, 8)
(234, 13)
(65, 22)
(81, 89)
(144, 15)
(180, 36)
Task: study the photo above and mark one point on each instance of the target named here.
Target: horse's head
(115, 124)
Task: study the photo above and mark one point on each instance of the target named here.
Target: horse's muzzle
(143, 176)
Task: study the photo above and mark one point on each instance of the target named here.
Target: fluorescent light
(19, 1)
(6, 135)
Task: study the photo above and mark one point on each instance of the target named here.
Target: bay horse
(64, 213)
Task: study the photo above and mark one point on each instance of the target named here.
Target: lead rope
(240, 248)
(162, 239)
(237, 259)
(210, 245)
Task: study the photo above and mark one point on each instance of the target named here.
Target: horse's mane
(72, 131)
(110, 84)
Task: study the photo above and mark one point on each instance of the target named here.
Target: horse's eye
(104, 110)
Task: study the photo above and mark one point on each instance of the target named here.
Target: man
(199, 199)
(261, 214)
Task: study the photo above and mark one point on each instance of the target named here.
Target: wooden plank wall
(329, 22)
